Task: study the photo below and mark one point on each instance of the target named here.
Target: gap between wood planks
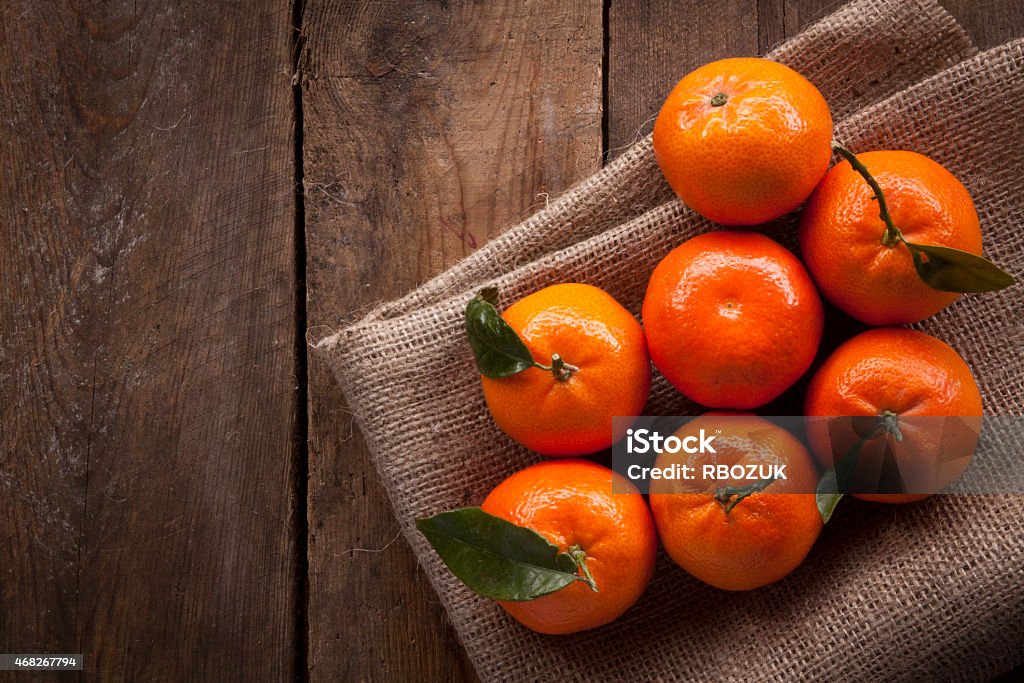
(606, 11)
(300, 442)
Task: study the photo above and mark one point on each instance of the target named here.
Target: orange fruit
(905, 375)
(743, 141)
(570, 503)
(732, 319)
(766, 534)
(841, 235)
(611, 375)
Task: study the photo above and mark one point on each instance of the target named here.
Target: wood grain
(147, 352)
(989, 22)
(651, 45)
(428, 128)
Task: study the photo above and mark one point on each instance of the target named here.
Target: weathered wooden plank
(651, 45)
(147, 337)
(45, 371)
(428, 128)
(990, 22)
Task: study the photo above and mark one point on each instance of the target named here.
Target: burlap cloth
(925, 591)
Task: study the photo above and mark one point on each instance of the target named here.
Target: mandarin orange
(606, 371)
(743, 141)
(723, 537)
(570, 502)
(732, 319)
(842, 236)
(898, 376)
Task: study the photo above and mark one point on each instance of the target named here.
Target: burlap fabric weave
(933, 590)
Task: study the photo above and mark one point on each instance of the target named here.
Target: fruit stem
(580, 558)
(719, 99)
(730, 496)
(892, 235)
(890, 423)
(559, 368)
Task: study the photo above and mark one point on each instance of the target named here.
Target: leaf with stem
(836, 481)
(497, 348)
(942, 268)
(501, 560)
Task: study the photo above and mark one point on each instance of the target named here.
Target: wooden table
(185, 188)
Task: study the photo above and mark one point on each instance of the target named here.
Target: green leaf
(837, 479)
(497, 558)
(952, 270)
(498, 350)
(827, 495)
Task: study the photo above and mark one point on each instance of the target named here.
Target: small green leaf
(836, 480)
(498, 350)
(952, 270)
(827, 496)
(496, 558)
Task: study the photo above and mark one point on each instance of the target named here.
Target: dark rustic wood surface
(148, 338)
(158, 269)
